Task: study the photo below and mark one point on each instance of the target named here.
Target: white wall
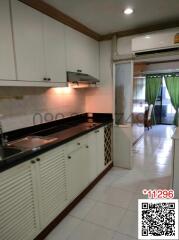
(101, 99)
(124, 45)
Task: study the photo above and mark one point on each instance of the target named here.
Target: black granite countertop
(27, 143)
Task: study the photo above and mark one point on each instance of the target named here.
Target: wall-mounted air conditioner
(156, 42)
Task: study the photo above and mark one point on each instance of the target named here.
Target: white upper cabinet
(44, 48)
(7, 66)
(28, 42)
(55, 55)
(82, 53)
(39, 45)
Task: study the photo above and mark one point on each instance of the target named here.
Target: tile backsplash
(22, 107)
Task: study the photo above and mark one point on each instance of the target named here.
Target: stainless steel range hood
(81, 79)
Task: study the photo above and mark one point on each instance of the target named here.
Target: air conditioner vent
(168, 50)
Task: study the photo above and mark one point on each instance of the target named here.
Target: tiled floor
(109, 211)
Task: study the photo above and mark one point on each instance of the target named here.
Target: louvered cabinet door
(18, 203)
(52, 184)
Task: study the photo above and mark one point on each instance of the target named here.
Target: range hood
(79, 79)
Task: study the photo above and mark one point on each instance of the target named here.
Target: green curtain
(153, 84)
(172, 83)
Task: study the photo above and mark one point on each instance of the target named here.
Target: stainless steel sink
(31, 142)
(6, 152)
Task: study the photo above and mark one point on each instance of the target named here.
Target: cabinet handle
(69, 157)
(38, 159)
(79, 70)
(49, 79)
(78, 143)
(87, 146)
(45, 79)
(32, 161)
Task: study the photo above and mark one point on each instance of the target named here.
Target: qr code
(158, 219)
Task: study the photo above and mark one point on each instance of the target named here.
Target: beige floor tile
(64, 229)
(106, 215)
(117, 197)
(97, 192)
(83, 207)
(89, 231)
(129, 224)
(127, 183)
(118, 236)
(133, 205)
(108, 179)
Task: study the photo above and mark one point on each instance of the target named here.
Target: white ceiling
(106, 16)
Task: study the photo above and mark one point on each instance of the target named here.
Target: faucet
(3, 139)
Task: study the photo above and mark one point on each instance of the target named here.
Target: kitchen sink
(6, 152)
(31, 142)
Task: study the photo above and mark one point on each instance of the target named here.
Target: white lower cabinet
(52, 184)
(96, 153)
(34, 193)
(92, 156)
(19, 203)
(100, 150)
(78, 167)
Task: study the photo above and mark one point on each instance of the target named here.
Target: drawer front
(76, 144)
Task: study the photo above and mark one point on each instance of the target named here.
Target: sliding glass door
(164, 111)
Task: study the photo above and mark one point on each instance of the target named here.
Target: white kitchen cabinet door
(28, 42)
(55, 54)
(93, 157)
(100, 150)
(78, 171)
(82, 53)
(7, 65)
(96, 153)
(18, 203)
(51, 174)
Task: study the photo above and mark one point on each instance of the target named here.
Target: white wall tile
(18, 113)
